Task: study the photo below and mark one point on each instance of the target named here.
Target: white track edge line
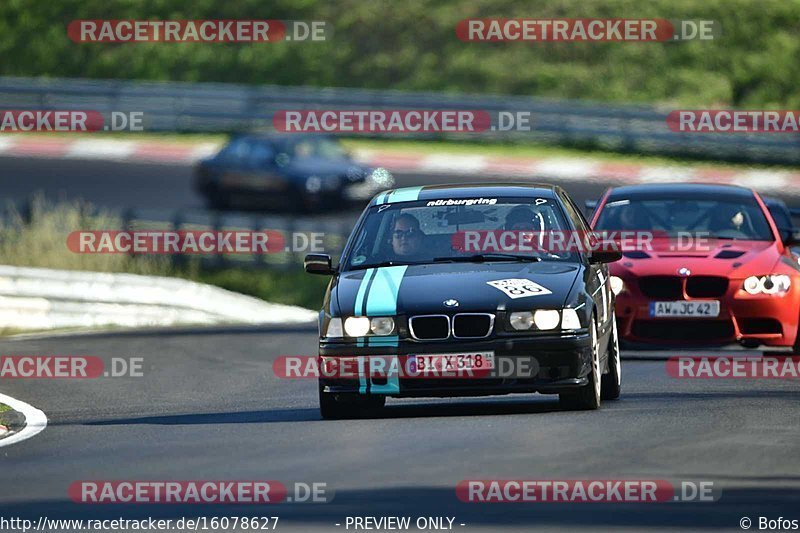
(35, 420)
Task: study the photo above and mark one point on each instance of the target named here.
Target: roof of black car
(472, 190)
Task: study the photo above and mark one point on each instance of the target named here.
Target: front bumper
(547, 365)
(755, 320)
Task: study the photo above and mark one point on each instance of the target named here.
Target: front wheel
(588, 396)
(796, 347)
(348, 406)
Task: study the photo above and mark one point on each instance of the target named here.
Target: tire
(611, 383)
(587, 398)
(796, 346)
(331, 408)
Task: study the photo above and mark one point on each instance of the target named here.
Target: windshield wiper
(482, 258)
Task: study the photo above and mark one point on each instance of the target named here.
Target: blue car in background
(286, 172)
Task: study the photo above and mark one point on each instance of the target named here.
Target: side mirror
(599, 257)
(791, 237)
(318, 264)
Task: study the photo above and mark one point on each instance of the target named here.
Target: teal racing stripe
(362, 374)
(408, 194)
(382, 301)
(392, 385)
(391, 341)
(362, 291)
(381, 198)
(382, 297)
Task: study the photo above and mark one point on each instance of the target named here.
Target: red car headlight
(772, 284)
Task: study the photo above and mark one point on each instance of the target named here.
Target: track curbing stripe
(35, 420)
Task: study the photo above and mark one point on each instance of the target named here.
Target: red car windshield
(736, 219)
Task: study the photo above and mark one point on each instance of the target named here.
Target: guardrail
(42, 298)
(218, 107)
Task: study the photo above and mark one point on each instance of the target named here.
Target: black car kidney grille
(430, 327)
(472, 325)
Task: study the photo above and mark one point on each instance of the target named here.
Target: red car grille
(673, 287)
(685, 330)
(706, 286)
(662, 287)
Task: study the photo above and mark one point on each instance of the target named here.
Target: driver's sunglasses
(399, 233)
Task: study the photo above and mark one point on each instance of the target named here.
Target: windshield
(316, 147)
(417, 232)
(738, 219)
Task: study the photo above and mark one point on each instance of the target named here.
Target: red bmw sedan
(716, 270)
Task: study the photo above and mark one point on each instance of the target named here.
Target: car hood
(732, 259)
(423, 289)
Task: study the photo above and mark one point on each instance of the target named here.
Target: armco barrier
(41, 298)
(218, 107)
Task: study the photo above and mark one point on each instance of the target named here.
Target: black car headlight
(313, 184)
(545, 320)
(360, 326)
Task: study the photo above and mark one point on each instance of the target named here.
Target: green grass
(10, 418)
(41, 241)
(3, 409)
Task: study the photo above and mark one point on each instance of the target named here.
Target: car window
(317, 147)
(726, 218)
(237, 151)
(782, 219)
(416, 232)
(261, 154)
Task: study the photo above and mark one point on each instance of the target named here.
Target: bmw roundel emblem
(685, 272)
(451, 303)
